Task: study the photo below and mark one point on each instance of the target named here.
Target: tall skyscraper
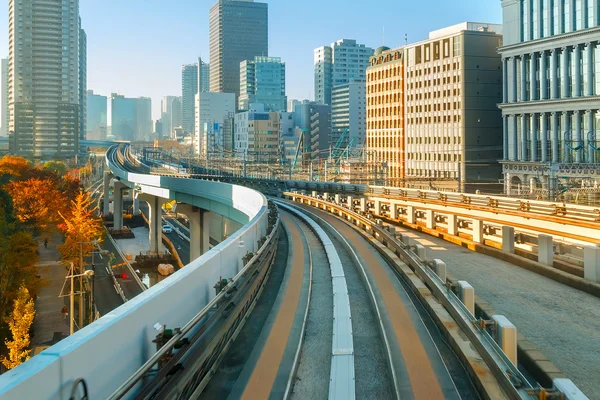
(96, 116)
(189, 89)
(203, 76)
(82, 82)
(262, 80)
(212, 112)
(4, 113)
(170, 114)
(348, 113)
(551, 95)
(337, 64)
(239, 31)
(130, 118)
(44, 78)
(143, 119)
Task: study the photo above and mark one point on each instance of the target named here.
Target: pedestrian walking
(46, 243)
(64, 312)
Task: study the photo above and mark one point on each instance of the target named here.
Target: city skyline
(123, 60)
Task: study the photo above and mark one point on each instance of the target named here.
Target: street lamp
(87, 273)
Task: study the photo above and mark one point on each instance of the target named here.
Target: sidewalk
(49, 325)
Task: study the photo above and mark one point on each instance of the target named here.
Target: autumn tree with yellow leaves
(80, 225)
(19, 322)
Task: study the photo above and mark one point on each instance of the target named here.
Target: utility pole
(72, 303)
(81, 298)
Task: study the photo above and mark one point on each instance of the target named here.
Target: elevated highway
(194, 327)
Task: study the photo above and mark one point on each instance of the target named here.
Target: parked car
(167, 228)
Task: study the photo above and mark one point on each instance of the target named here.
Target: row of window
(546, 19)
(434, 157)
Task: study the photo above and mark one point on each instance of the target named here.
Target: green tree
(19, 322)
(59, 168)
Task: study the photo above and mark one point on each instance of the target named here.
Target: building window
(590, 13)
(567, 16)
(535, 34)
(597, 69)
(525, 18)
(579, 22)
(456, 43)
(545, 22)
(555, 18)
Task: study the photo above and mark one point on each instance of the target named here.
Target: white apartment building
(212, 111)
(4, 113)
(348, 113)
(257, 134)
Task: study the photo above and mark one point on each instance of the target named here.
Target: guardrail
(341, 381)
(509, 377)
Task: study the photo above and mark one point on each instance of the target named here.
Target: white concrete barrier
(591, 263)
(545, 250)
(569, 389)
(430, 222)
(410, 214)
(452, 224)
(477, 231)
(466, 293)
(439, 268)
(508, 239)
(506, 337)
(420, 250)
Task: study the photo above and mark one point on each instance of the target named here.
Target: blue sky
(137, 47)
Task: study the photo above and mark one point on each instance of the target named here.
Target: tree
(19, 323)
(80, 225)
(59, 168)
(14, 165)
(36, 202)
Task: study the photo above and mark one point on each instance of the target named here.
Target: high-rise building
(256, 134)
(212, 111)
(4, 113)
(262, 80)
(291, 104)
(82, 82)
(170, 114)
(385, 114)
(96, 116)
(203, 76)
(189, 89)
(551, 95)
(239, 30)
(143, 119)
(348, 113)
(337, 64)
(43, 73)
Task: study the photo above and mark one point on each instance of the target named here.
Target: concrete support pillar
(314, 193)
(118, 205)
(410, 214)
(466, 293)
(566, 117)
(393, 211)
(506, 337)
(523, 77)
(577, 71)
(513, 89)
(136, 202)
(439, 267)
(106, 203)
(543, 76)
(363, 204)
(199, 229)
(532, 184)
(452, 224)
(565, 73)
(524, 137)
(154, 221)
(534, 137)
(589, 56)
(554, 142)
(533, 76)
(545, 250)
(578, 137)
(477, 231)
(337, 199)
(508, 239)
(514, 154)
(505, 137)
(553, 74)
(507, 185)
(544, 137)
(326, 196)
(591, 153)
(430, 222)
(350, 205)
(505, 80)
(591, 263)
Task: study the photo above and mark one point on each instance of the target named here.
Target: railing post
(591, 263)
(410, 214)
(350, 205)
(430, 222)
(393, 211)
(377, 205)
(506, 337)
(545, 250)
(452, 224)
(466, 292)
(363, 204)
(477, 231)
(337, 199)
(508, 239)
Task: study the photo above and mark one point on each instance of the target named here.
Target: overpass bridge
(356, 310)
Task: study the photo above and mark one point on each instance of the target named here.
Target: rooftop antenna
(405, 39)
